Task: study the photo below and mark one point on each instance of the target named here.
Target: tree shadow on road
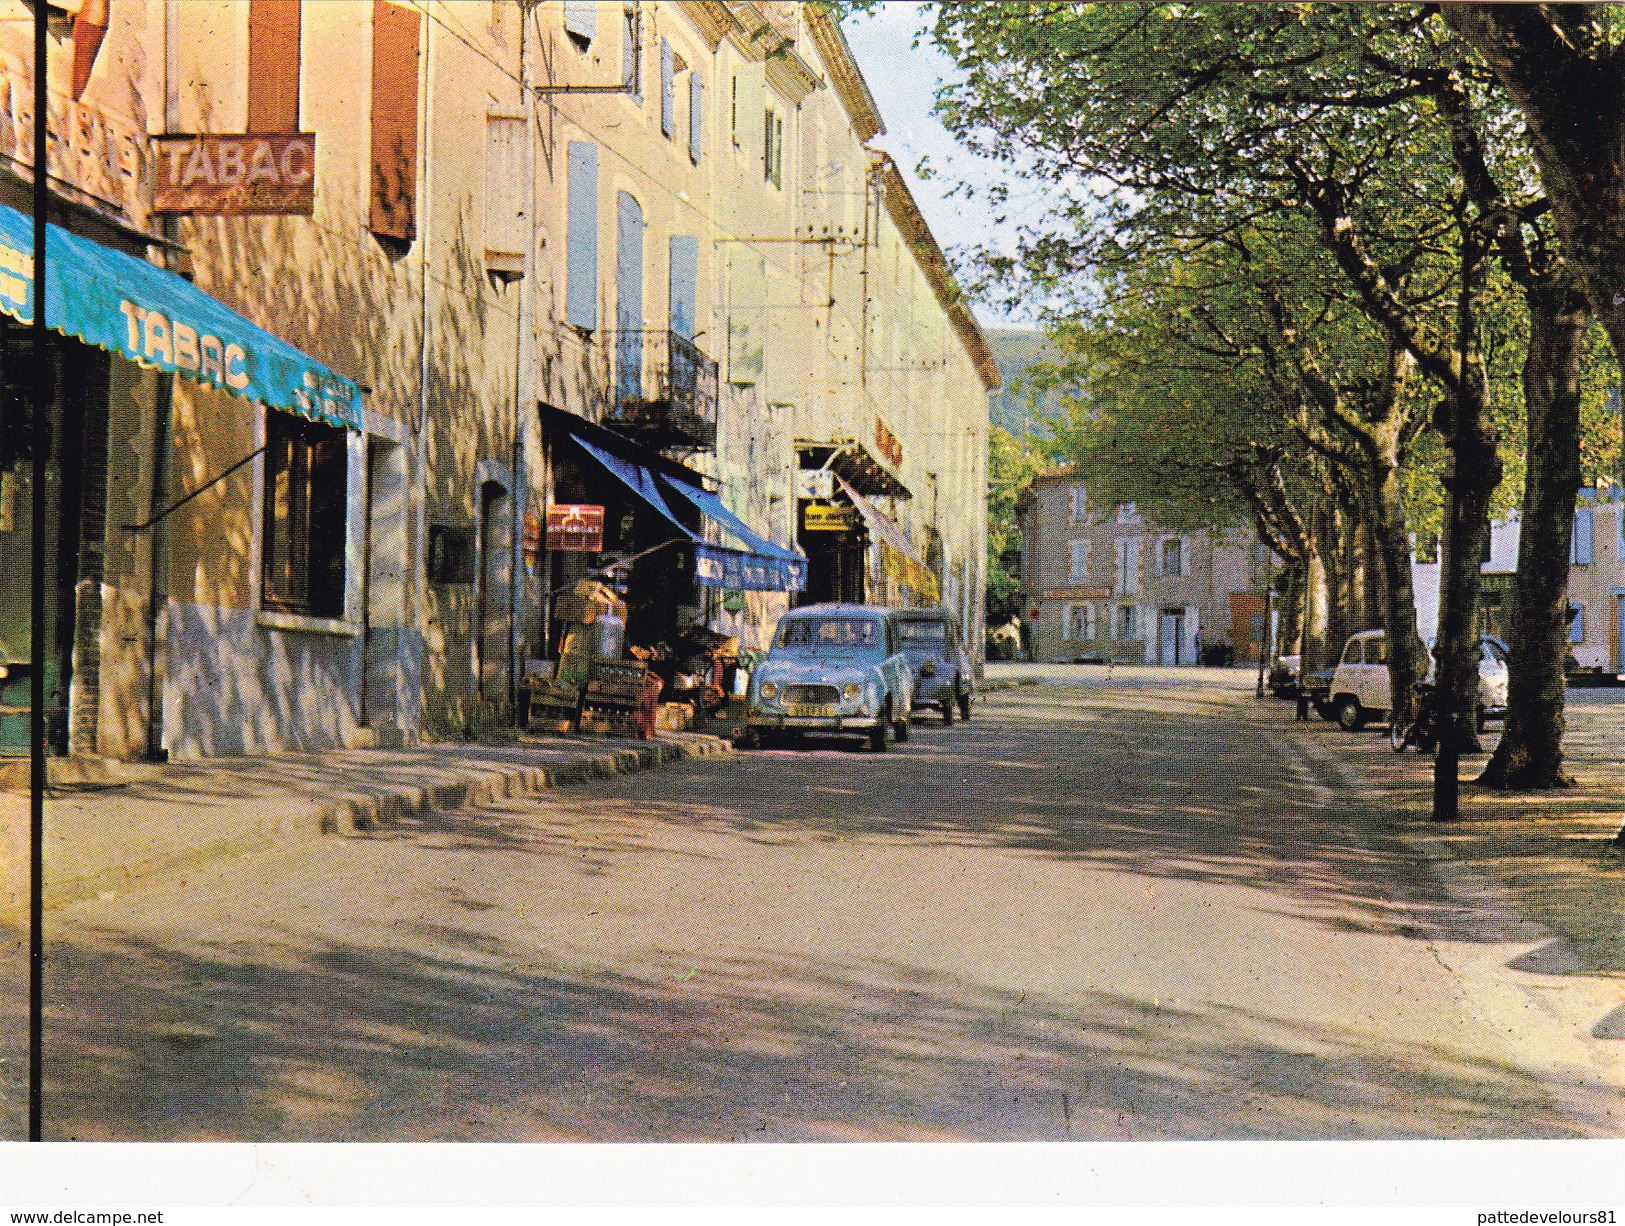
(305, 1040)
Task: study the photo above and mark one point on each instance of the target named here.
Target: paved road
(1135, 909)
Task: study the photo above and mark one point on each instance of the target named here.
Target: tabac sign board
(235, 175)
(575, 528)
(823, 518)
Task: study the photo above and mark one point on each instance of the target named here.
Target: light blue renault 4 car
(835, 669)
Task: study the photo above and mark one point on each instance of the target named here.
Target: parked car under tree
(833, 669)
(1359, 688)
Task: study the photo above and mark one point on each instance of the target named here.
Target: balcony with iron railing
(664, 390)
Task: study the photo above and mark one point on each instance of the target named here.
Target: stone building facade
(515, 256)
(1105, 583)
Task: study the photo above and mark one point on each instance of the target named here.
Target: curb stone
(301, 820)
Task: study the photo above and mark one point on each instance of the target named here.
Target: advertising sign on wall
(575, 528)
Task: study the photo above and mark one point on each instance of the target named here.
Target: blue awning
(126, 306)
(761, 566)
(782, 569)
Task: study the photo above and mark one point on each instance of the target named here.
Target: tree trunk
(1473, 472)
(1391, 534)
(1530, 755)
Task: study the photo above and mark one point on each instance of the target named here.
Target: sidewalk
(1547, 861)
(136, 819)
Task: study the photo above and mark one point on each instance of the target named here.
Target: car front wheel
(964, 705)
(1350, 714)
(900, 729)
(878, 734)
(948, 711)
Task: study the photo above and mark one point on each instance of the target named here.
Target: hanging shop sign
(575, 528)
(826, 518)
(887, 443)
(235, 175)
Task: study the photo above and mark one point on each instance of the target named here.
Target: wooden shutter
(394, 121)
(89, 28)
(668, 91)
(581, 236)
(685, 283)
(505, 194)
(581, 20)
(273, 65)
(696, 117)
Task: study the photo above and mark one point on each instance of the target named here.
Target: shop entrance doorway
(75, 532)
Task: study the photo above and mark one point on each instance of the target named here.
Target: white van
(1359, 690)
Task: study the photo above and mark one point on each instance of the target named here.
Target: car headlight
(769, 689)
(852, 691)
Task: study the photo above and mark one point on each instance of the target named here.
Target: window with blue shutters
(685, 281)
(628, 298)
(696, 117)
(581, 238)
(1580, 543)
(668, 94)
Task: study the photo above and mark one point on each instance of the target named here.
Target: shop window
(273, 65)
(306, 471)
(581, 237)
(581, 22)
(773, 147)
(393, 212)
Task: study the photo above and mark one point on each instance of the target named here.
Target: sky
(904, 81)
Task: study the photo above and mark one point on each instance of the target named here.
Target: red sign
(236, 175)
(575, 528)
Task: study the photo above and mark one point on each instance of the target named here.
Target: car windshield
(819, 634)
(925, 636)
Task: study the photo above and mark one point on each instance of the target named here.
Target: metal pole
(36, 645)
(1265, 638)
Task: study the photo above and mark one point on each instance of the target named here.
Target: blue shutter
(696, 116)
(581, 19)
(1577, 623)
(685, 282)
(632, 53)
(1580, 549)
(581, 241)
(668, 96)
(629, 297)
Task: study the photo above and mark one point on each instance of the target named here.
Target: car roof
(922, 615)
(841, 608)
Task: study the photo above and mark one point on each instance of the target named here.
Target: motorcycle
(1423, 730)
